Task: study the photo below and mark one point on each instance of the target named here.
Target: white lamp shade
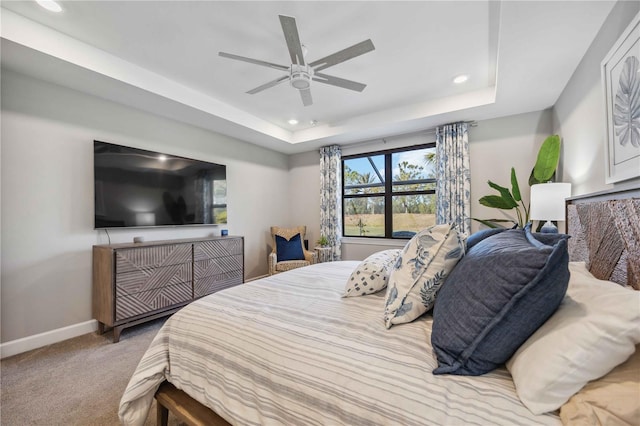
(548, 201)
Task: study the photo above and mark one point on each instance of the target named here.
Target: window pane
(423, 186)
(364, 175)
(412, 213)
(413, 166)
(364, 217)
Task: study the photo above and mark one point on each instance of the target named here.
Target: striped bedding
(288, 350)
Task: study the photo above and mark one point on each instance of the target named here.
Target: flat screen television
(140, 188)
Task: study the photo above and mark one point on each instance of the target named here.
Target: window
(374, 206)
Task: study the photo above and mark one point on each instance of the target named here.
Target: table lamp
(548, 203)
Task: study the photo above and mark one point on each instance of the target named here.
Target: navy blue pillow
(500, 293)
(289, 249)
(476, 237)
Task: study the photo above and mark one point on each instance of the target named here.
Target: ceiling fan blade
(269, 84)
(343, 55)
(290, 31)
(306, 97)
(337, 81)
(253, 61)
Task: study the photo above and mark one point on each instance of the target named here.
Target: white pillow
(372, 274)
(595, 328)
(420, 271)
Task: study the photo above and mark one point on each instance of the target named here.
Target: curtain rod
(471, 123)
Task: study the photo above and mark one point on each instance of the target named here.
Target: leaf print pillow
(372, 274)
(420, 271)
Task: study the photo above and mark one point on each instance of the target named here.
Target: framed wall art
(621, 82)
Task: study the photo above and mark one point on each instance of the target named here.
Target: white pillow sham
(595, 329)
(420, 271)
(372, 274)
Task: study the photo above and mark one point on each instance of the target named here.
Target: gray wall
(579, 113)
(497, 145)
(304, 192)
(47, 196)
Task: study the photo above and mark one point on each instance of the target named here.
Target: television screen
(135, 187)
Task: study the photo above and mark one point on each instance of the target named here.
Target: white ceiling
(162, 56)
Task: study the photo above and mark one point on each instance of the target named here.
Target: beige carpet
(76, 382)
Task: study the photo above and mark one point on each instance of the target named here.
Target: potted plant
(323, 241)
(509, 199)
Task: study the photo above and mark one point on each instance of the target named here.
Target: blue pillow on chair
(506, 286)
(289, 249)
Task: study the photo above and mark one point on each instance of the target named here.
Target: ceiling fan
(300, 73)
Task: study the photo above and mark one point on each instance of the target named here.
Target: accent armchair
(287, 250)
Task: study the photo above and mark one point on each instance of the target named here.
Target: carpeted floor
(76, 382)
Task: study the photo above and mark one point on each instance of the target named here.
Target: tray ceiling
(162, 57)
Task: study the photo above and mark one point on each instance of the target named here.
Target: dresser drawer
(207, 285)
(209, 267)
(132, 259)
(151, 300)
(147, 278)
(217, 248)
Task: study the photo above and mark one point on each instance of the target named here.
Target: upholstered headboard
(605, 233)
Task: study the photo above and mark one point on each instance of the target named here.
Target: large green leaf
(515, 188)
(547, 161)
(505, 194)
(534, 181)
(497, 202)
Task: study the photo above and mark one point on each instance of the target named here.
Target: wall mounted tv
(136, 188)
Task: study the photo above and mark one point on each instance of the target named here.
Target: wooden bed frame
(605, 230)
(185, 408)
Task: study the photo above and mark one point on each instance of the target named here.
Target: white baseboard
(255, 278)
(36, 341)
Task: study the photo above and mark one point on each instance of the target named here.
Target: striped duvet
(288, 350)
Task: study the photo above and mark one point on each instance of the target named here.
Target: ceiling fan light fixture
(300, 77)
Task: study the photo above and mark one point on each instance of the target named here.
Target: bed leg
(184, 408)
(162, 415)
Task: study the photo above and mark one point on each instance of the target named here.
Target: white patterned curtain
(331, 198)
(454, 179)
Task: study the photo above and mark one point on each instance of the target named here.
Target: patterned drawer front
(152, 257)
(148, 301)
(146, 278)
(213, 283)
(217, 248)
(209, 267)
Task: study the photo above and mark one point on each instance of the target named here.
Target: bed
(288, 349)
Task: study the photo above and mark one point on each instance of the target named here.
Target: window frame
(388, 193)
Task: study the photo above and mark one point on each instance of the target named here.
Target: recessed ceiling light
(461, 79)
(293, 121)
(50, 5)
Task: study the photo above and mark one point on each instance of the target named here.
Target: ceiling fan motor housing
(300, 76)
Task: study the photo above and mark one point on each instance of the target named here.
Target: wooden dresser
(137, 282)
